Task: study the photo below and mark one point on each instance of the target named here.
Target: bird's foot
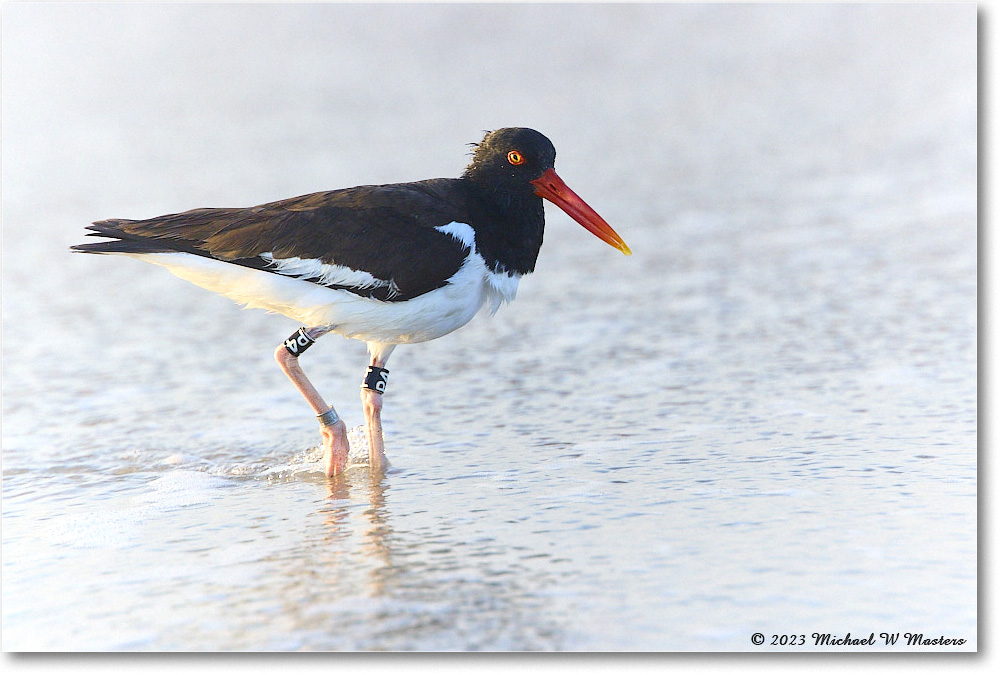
(372, 403)
(377, 461)
(335, 448)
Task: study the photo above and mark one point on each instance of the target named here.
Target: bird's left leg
(371, 398)
(332, 428)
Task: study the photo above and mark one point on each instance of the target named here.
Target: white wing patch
(327, 274)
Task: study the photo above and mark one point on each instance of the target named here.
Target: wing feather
(384, 233)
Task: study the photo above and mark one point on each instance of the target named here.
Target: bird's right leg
(332, 428)
(371, 398)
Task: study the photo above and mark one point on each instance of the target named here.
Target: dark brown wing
(385, 230)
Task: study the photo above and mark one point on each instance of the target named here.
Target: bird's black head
(512, 170)
(509, 159)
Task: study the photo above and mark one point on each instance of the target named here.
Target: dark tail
(121, 241)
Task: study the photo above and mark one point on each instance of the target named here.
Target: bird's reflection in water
(342, 495)
(394, 581)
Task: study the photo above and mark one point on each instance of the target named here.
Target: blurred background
(772, 402)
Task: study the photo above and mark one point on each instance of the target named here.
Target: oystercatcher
(387, 264)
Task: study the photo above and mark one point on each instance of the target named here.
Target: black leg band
(298, 342)
(375, 379)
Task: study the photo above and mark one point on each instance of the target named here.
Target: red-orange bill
(550, 186)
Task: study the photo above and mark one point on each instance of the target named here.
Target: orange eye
(515, 158)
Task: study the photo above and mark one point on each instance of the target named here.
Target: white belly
(423, 318)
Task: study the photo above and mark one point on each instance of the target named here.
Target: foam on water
(307, 464)
(118, 522)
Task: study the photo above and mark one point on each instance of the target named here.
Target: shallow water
(763, 421)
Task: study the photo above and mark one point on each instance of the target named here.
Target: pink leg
(335, 444)
(372, 403)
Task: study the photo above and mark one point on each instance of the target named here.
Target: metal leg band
(376, 379)
(329, 418)
(298, 342)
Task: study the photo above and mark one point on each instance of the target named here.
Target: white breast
(419, 319)
(500, 286)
